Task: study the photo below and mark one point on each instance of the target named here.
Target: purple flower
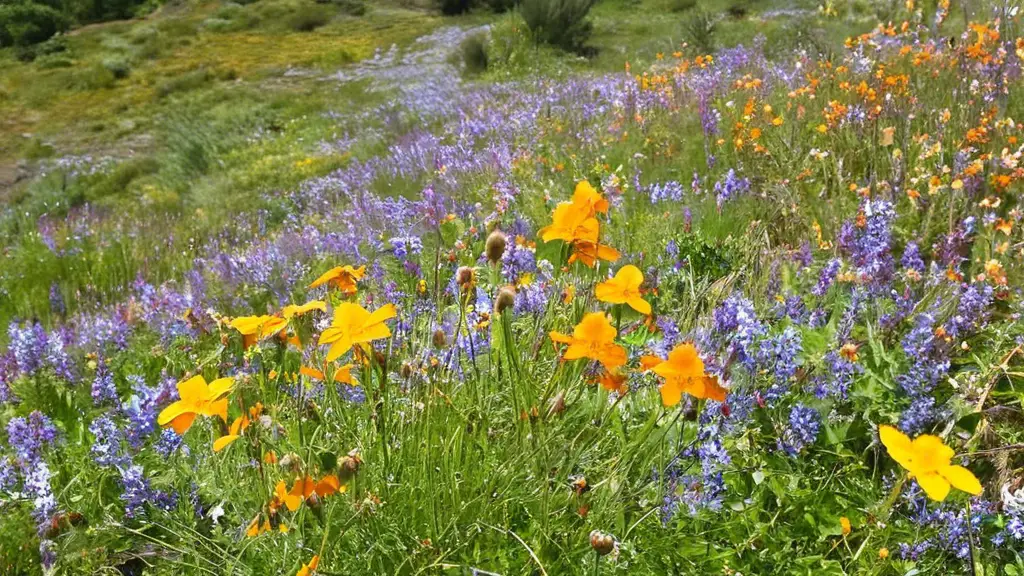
(106, 447)
(804, 425)
(29, 436)
(103, 388)
(827, 277)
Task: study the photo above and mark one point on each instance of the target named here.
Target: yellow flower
(883, 553)
(353, 325)
(197, 399)
(343, 278)
(256, 328)
(624, 288)
(844, 523)
(593, 338)
(292, 310)
(927, 460)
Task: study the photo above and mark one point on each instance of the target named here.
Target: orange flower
(624, 288)
(234, 433)
(307, 569)
(614, 381)
(684, 373)
(353, 325)
(256, 328)
(844, 525)
(197, 399)
(304, 488)
(576, 219)
(927, 460)
(342, 374)
(593, 338)
(343, 278)
(590, 252)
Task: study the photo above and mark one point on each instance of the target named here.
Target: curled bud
(465, 277)
(495, 247)
(601, 542)
(506, 298)
(349, 465)
(439, 339)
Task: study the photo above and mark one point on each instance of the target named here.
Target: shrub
(473, 51)
(501, 5)
(682, 5)
(699, 30)
(453, 7)
(306, 17)
(561, 23)
(117, 66)
(183, 83)
(25, 23)
(350, 7)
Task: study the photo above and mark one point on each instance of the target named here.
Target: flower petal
(224, 441)
(962, 479)
(935, 486)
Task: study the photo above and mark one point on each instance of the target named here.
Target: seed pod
(349, 465)
(601, 542)
(465, 277)
(506, 298)
(405, 371)
(495, 247)
(439, 339)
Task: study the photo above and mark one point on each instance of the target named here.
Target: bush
(473, 52)
(453, 7)
(25, 23)
(306, 18)
(501, 5)
(561, 23)
(350, 7)
(699, 30)
(183, 83)
(117, 66)
(682, 5)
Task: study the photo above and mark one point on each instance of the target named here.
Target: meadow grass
(826, 231)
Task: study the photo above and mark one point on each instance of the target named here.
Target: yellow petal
(670, 394)
(935, 486)
(962, 479)
(224, 441)
(897, 444)
(630, 276)
(194, 389)
(326, 277)
(640, 305)
(293, 310)
(172, 412)
(221, 387)
(338, 348)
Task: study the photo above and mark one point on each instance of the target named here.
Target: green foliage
(699, 30)
(23, 23)
(306, 17)
(561, 23)
(453, 7)
(682, 5)
(473, 54)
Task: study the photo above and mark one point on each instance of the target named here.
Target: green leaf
(970, 422)
(328, 461)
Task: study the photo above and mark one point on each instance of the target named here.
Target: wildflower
(342, 278)
(927, 460)
(292, 310)
(844, 524)
(684, 372)
(197, 399)
(307, 569)
(883, 553)
(624, 288)
(342, 374)
(593, 338)
(614, 381)
(353, 325)
(576, 219)
(256, 328)
(590, 252)
(234, 433)
(465, 277)
(305, 487)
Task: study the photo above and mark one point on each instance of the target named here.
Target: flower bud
(439, 339)
(349, 465)
(506, 298)
(465, 277)
(601, 542)
(495, 247)
(405, 371)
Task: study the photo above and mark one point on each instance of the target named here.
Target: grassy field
(731, 290)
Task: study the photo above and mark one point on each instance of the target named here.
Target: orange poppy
(293, 310)
(342, 374)
(256, 328)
